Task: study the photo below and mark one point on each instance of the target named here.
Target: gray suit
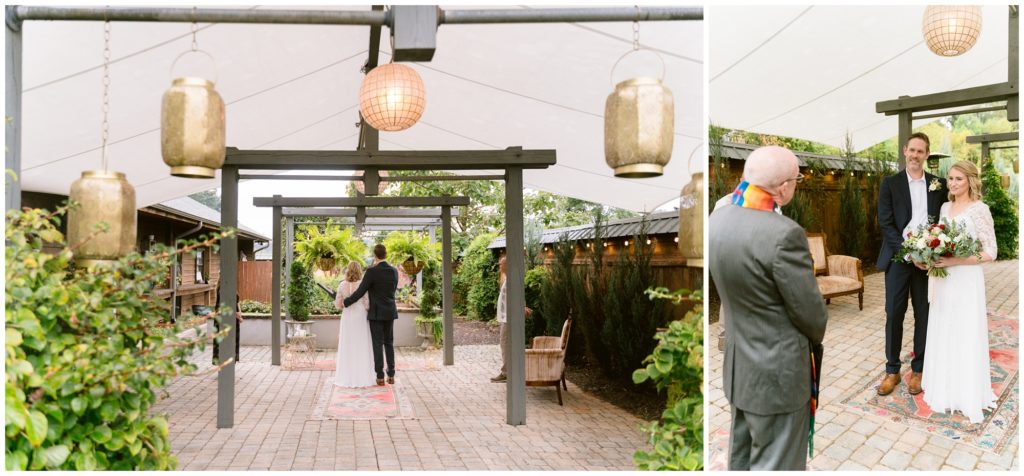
(764, 274)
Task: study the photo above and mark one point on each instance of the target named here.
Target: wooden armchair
(545, 361)
(837, 275)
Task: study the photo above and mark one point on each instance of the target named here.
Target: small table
(300, 352)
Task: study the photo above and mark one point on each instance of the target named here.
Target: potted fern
(411, 250)
(316, 249)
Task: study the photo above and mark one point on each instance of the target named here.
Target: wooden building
(197, 272)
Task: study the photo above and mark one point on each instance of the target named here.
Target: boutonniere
(935, 185)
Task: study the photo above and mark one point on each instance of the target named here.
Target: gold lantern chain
(636, 29)
(106, 92)
(195, 28)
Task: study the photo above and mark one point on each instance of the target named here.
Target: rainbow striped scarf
(747, 195)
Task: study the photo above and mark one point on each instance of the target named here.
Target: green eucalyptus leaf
(54, 456)
(35, 428)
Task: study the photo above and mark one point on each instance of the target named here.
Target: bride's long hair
(353, 272)
(970, 171)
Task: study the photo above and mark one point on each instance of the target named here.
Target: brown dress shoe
(391, 380)
(380, 382)
(914, 384)
(889, 384)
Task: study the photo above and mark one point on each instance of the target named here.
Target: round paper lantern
(951, 30)
(392, 97)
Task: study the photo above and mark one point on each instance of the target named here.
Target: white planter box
(256, 329)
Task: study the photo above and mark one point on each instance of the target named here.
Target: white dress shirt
(918, 203)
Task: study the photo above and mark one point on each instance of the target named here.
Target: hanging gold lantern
(392, 97)
(691, 221)
(381, 184)
(103, 197)
(951, 30)
(1016, 166)
(192, 128)
(639, 121)
(1004, 181)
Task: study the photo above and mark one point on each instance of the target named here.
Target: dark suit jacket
(773, 310)
(895, 210)
(380, 281)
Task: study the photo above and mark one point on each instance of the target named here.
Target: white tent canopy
(816, 72)
(539, 86)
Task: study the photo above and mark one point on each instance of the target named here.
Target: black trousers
(382, 337)
(900, 280)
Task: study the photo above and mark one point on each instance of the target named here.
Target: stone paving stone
(962, 460)
(896, 460)
(867, 455)
(926, 461)
(879, 442)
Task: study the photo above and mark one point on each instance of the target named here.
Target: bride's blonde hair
(353, 272)
(970, 171)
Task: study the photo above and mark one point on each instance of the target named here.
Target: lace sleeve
(985, 228)
(365, 300)
(339, 297)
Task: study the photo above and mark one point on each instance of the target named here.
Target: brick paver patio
(459, 425)
(854, 345)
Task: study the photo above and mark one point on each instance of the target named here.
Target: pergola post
(1013, 58)
(228, 297)
(12, 110)
(289, 256)
(906, 127)
(515, 297)
(275, 296)
(446, 284)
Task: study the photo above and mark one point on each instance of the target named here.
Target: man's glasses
(799, 178)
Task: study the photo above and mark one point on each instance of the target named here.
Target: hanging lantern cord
(636, 30)
(106, 91)
(195, 28)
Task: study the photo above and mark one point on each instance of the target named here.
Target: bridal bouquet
(932, 241)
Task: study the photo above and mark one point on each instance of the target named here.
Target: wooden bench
(837, 275)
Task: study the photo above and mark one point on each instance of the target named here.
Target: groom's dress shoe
(499, 378)
(889, 384)
(914, 384)
(391, 380)
(380, 382)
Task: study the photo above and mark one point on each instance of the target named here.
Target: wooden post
(515, 265)
(275, 296)
(447, 301)
(228, 297)
(12, 110)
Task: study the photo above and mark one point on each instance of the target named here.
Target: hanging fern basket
(411, 267)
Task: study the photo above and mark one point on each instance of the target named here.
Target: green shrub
(677, 366)
(556, 296)
(84, 358)
(1004, 212)
(476, 259)
(403, 246)
(300, 292)
(630, 317)
(257, 307)
(852, 218)
(430, 299)
(801, 210)
(589, 290)
(534, 285)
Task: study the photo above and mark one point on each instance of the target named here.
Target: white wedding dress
(354, 367)
(956, 372)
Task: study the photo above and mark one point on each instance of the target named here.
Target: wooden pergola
(387, 217)
(1007, 92)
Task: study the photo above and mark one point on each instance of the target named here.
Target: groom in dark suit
(380, 280)
(906, 200)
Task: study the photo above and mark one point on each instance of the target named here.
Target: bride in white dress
(956, 364)
(354, 366)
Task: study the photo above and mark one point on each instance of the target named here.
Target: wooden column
(228, 297)
(515, 266)
(12, 110)
(275, 296)
(447, 301)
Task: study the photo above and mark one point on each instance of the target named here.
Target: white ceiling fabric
(539, 86)
(816, 72)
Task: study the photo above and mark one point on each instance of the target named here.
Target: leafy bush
(257, 307)
(801, 210)
(557, 294)
(1004, 212)
(589, 291)
(430, 299)
(534, 285)
(852, 218)
(83, 355)
(677, 366)
(477, 280)
(300, 292)
(630, 317)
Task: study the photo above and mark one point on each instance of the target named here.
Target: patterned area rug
(1000, 425)
(405, 360)
(387, 402)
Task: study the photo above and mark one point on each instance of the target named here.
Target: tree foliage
(86, 352)
(1004, 212)
(477, 280)
(300, 292)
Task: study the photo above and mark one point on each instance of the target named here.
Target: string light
(648, 241)
(676, 239)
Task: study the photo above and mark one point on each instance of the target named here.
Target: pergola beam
(998, 137)
(353, 17)
(354, 178)
(278, 201)
(948, 99)
(389, 159)
(373, 212)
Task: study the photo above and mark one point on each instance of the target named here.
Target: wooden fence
(254, 280)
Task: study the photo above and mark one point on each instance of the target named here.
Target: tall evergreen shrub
(1004, 212)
